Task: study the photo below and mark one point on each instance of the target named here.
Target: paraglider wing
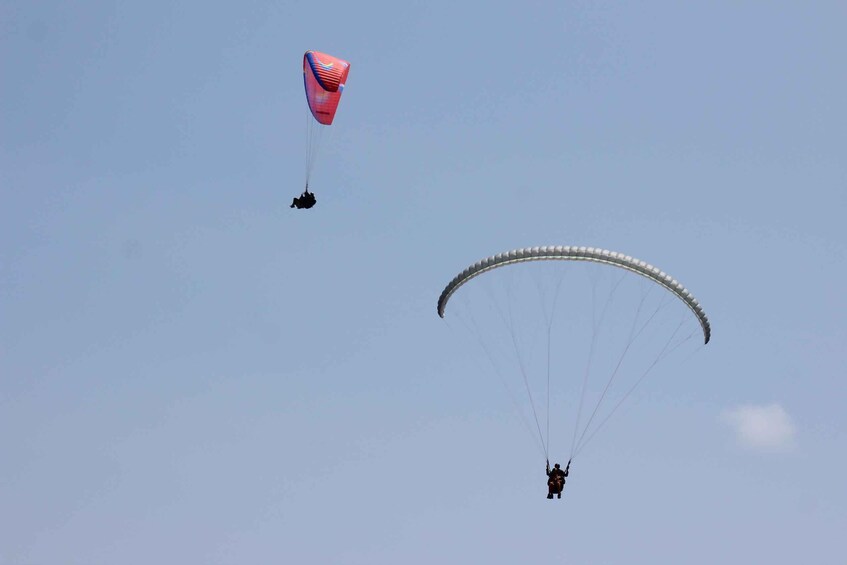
(324, 77)
(568, 253)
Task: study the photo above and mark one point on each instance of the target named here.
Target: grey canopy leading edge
(567, 253)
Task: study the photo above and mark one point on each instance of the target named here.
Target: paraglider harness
(556, 479)
(305, 200)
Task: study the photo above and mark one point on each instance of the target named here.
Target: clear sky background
(191, 372)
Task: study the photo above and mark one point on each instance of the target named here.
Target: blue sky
(192, 372)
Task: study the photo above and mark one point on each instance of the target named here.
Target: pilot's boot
(558, 495)
(550, 496)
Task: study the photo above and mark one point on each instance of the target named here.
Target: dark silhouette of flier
(305, 200)
(556, 479)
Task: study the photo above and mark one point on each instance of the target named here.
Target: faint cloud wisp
(764, 428)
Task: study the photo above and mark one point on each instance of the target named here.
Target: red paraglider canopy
(324, 77)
